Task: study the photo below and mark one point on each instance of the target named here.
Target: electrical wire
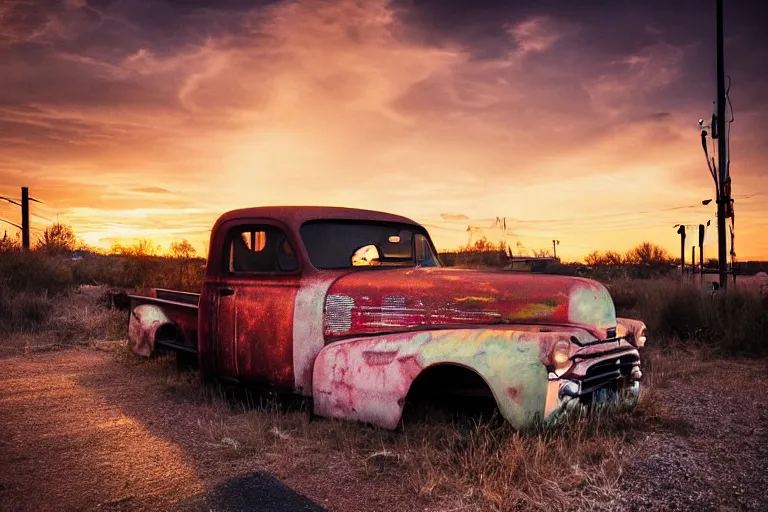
(728, 128)
(41, 217)
(613, 220)
(579, 219)
(713, 168)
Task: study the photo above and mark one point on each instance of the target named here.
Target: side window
(259, 248)
(423, 252)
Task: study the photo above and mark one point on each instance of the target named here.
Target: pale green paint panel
(592, 305)
(509, 362)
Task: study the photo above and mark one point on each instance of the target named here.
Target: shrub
(139, 272)
(22, 311)
(734, 322)
(20, 271)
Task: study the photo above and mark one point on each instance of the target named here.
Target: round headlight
(641, 338)
(560, 355)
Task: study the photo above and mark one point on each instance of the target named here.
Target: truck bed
(180, 308)
(176, 296)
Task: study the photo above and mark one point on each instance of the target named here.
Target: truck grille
(605, 373)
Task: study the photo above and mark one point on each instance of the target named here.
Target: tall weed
(734, 321)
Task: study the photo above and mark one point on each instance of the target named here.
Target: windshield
(333, 243)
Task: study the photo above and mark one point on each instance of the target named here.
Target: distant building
(518, 264)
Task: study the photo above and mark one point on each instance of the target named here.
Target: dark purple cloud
(524, 91)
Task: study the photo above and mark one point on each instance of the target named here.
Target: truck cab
(354, 310)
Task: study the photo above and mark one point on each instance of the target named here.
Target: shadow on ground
(258, 491)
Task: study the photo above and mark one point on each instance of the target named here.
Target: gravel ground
(717, 458)
(81, 431)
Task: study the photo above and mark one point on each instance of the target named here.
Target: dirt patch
(66, 444)
(81, 429)
(717, 461)
(85, 429)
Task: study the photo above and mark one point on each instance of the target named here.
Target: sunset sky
(575, 120)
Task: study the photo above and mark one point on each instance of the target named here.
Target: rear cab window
(258, 248)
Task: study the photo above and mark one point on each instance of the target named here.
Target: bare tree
(183, 250)
(648, 253)
(484, 245)
(56, 239)
(613, 258)
(140, 248)
(8, 244)
(597, 258)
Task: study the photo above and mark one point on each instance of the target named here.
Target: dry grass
(486, 466)
(576, 464)
(35, 322)
(682, 314)
(139, 272)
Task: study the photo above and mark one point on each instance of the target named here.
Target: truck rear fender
(145, 321)
(368, 379)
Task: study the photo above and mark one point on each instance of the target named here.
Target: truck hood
(388, 300)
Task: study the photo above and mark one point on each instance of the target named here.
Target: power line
(25, 213)
(605, 217)
(43, 217)
(12, 201)
(11, 223)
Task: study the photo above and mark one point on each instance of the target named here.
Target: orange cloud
(344, 103)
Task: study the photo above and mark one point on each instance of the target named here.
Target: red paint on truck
(354, 339)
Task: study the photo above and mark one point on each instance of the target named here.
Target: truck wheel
(206, 372)
(185, 361)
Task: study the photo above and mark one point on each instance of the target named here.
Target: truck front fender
(368, 379)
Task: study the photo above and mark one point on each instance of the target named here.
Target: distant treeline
(142, 265)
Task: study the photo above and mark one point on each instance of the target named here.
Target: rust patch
(514, 394)
(374, 358)
(474, 300)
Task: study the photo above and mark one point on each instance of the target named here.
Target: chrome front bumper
(602, 374)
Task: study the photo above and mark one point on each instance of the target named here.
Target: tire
(207, 375)
(185, 361)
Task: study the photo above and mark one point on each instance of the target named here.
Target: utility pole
(555, 243)
(693, 261)
(681, 232)
(733, 255)
(701, 251)
(24, 204)
(724, 195)
(25, 218)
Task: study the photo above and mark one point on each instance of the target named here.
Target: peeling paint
(144, 322)
(355, 339)
(347, 386)
(308, 338)
(395, 300)
(470, 300)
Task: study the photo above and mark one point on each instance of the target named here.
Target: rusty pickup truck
(353, 310)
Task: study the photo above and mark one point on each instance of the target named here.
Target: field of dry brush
(85, 425)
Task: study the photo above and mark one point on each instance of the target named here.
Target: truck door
(256, 315)
(225, 360)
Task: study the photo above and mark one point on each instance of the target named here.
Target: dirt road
(77, 433)
(81, 431)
